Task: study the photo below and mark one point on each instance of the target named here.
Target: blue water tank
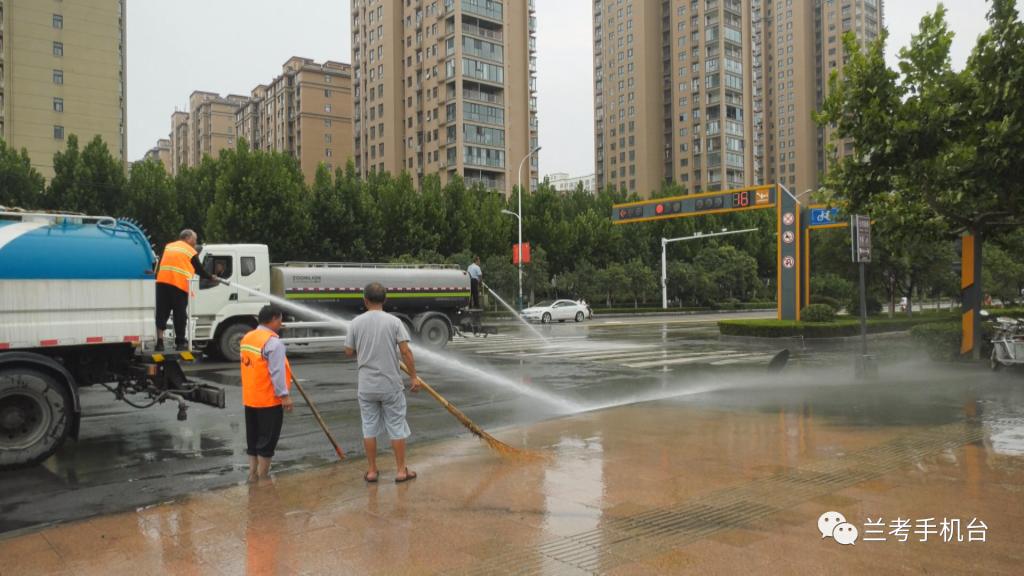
(56, 247)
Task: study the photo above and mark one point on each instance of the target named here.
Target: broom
(319, 419)
(495, 444)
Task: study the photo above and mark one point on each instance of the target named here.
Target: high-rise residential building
(801, 45)
(212, 124)
(446, 87)
(179, 141)
(305, 112)
(63, 72)
(161, 153)
(716, 94)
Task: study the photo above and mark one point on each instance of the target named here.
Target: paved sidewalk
(664, 488)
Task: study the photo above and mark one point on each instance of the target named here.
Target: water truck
(432, 300)
(77, 297)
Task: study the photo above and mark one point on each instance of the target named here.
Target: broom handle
(430, 389)
(319, 419)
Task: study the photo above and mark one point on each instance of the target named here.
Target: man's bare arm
(410, 364)
(349, 352)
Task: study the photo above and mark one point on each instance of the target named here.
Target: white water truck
(77, 297)
(432, 300)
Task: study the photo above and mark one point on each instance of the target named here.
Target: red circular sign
(659, 209)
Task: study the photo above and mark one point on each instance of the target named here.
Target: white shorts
(384, 412)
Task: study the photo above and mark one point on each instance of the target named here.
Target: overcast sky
(229, 46)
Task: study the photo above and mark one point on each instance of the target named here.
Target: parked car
(560, 310)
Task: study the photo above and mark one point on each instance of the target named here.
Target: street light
(519, 215)
(696, 235)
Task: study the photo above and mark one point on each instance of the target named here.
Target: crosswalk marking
(584, 349)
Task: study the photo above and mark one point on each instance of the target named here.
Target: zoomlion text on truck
(77, 297)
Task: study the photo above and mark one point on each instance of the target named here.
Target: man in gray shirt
(377, 340)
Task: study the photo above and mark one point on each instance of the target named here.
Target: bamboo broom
(495, 444)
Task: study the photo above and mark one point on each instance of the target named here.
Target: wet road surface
(714, 422)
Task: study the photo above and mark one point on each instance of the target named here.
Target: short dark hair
(375, 293)
(269, 313)
(476, 258)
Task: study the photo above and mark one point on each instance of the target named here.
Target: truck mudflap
(160, 378)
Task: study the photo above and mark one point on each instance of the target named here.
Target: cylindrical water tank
(53, 247)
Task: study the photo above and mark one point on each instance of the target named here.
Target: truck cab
(222, 313)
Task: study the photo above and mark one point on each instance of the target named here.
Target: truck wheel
(229, 345)
(435, 333)
(34, 416)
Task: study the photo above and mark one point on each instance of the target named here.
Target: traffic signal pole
(696, 235)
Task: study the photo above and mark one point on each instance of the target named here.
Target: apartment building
(800, 46)
(446, 87)
(206, 129)
(305, 112)
(716, 94)
(566, 183)
(161, 153)
(62, 71)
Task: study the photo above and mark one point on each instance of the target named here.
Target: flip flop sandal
(408, 476)
(367, 478)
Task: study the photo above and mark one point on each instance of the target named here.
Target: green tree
(641, 281)
(151, 201)
(260, 197)
(89, 180)
(195, 189)
(20, 185)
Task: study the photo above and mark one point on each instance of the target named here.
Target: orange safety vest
(176, 265)
(257, 388)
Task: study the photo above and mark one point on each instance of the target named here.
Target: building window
(328, 152)
(327, 93)
(327, 107)
(58, 48)
(58, 132)
(58, 21)
(327, 123)
(327, 138)
(58, 104)
(58, 76)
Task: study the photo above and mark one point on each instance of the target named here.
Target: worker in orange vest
(180, 261)
(266, 383)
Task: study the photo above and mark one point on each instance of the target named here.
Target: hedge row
(838, 328)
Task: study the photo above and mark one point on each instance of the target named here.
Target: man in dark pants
(476, 282)
(266, 384)
(180, 261)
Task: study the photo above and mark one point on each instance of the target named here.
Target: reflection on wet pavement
(725, 482)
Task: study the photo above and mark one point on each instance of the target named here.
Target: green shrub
(840, 327)
(818, 313)
(832, 303)
(833, 286)
(853, 305)
(940, 339)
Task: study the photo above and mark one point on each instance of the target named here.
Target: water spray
(517, 315)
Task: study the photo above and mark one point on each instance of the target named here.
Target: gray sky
(229, 46)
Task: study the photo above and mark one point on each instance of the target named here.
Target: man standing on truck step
(266, 383)
(180, 261)
(476, 280)
(377, 339)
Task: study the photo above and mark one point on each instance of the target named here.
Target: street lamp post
(664, 245)
(519, 216)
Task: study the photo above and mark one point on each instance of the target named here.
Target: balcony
(481, 32)
(486, 8)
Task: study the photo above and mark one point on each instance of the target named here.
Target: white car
(560, 310)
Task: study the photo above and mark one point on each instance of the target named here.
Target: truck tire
(35, 416)
(229, 343)
(434, 333)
